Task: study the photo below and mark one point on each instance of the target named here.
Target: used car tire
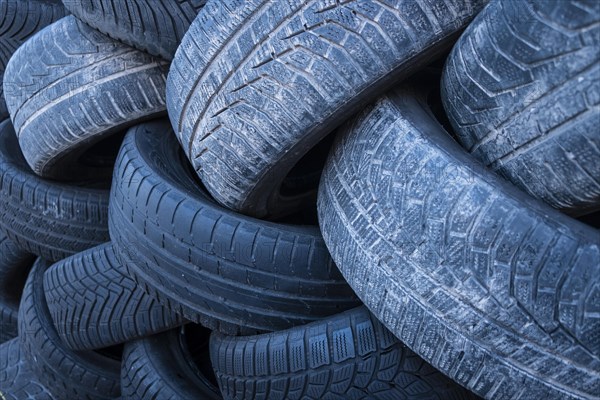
(224, 270)
(347, 356)
(50, 219)
(17, 380)
(18, 21)
(522, 91)
(173, 365)
(249, 97)
(492, 287)
(67, 374)
(94, 303)
(14, 267)
(149, 25)
(69, 87)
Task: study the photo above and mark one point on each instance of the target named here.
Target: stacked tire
(299, 200)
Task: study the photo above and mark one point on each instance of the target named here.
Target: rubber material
(522, 91)
(256, 84)
(69, 87)
(495, 289)
(165, 367)
(94, 303)
(47, 218)
(17, 380)
(18, 21)
(14, 266)
(154, 26)
(347, 356)
(224, 270)
(66, 374)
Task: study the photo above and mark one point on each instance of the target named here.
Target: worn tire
(17, 380)
(347, 356)
(522, 91)
(94, 303)
(154, 26)
(46, 218)
(256, 84)
(67, 374)
(215, 267)
(495, 289)
(18, 21)
(14, 267)
(69, 87)
(165, 367)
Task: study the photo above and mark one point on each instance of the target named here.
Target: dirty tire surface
(94, 303)
(70, 87)
(522, 91)
(19, 20)
(156, 27)
(163, 367)
(493, 288)
(67, 374)
(256, 84)
(224, 270)
(17, 380)
(46, 218)
(347, 356)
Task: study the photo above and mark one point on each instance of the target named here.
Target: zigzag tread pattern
(522, 91)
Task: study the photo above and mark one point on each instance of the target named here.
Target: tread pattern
(46, 218)
(18, 21)
(154, 26)
(522, 90)
(94, 303)
(68, 375)
(347, 356)
(159, 367)
(215, 267)
(493, 288)
(14, 266)
(17, 380)
(256, 84)
(70, 86)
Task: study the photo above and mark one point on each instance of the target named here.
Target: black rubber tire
(154, 26)
(495, 289)
(47, 218)
(17, 380)
(224, 270)
(94, 303)
(256, 84)
(165, 367)
(522, 91)
(347, 356)
(67, 374)
(69, 87)
(18, 21)
(14, 267)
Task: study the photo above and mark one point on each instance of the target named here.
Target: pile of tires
(257, 199)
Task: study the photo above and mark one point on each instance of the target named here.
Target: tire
(347, 356)
(495, 289)
(14, 266)
(94, 303)
(249, 98)
(67, 374)
(79, 87)
(165, 367)
(17, 380)
(156, 27)
(226, 271)
(43, 217)
(18, 21)
(522, 91)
